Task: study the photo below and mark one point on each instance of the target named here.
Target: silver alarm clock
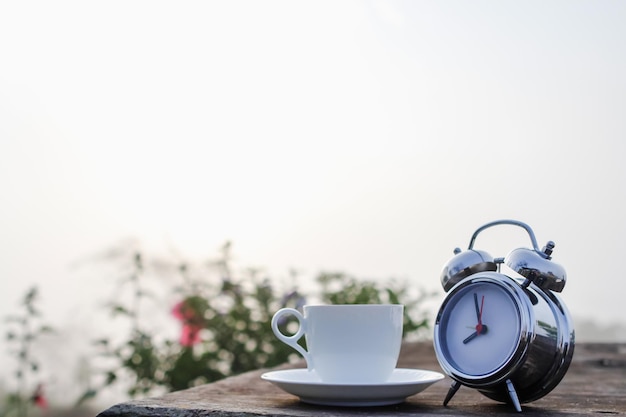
(511, 338)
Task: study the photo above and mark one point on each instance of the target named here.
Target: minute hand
(480, 327)
(478, 312)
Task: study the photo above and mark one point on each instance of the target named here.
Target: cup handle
(293, 339)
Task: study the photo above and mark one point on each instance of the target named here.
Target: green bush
(225, 328)
(24, 328)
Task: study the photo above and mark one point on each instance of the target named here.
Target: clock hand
(480, 327)
(483, 330)
(477, 308)
(470, 337)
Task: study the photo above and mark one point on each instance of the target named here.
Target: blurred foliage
(224, 319)
(338, 288)
(24, 329)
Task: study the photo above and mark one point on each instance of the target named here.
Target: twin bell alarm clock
(509, 337)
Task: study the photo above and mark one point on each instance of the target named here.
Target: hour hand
(483, 330)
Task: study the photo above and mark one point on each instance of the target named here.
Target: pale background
(363, 136)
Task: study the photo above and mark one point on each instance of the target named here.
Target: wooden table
(594, 385)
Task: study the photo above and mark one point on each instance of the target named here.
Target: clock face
(479, 328)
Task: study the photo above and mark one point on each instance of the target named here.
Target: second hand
(479, 326)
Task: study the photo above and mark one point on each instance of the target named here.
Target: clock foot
(453, 389)
(513, 394)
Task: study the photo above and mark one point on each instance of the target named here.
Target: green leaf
(110, 378)
(87, 395)
(46, 329)
(393, 297)
(119, 309)
(103, 342)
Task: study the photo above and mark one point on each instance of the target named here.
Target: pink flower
(38, 398)
(192, 323)
(190, 335)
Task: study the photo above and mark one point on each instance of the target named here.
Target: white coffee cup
(348, 343)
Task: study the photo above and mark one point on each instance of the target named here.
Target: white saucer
(308, 386)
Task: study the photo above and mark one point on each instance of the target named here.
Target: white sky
(364, 136)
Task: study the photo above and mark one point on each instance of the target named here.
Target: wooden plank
(594, 385)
